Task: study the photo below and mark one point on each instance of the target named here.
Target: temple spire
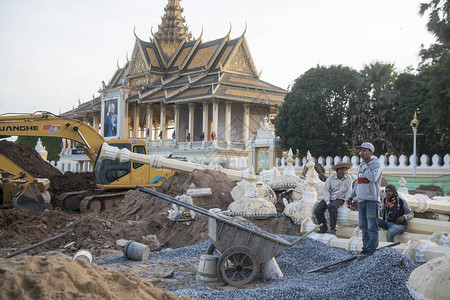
(172, 30)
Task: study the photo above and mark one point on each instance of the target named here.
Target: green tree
(52, 145)
(370, 115)
(428, 93)
(438, 19)
(313, 115)
(439, 25)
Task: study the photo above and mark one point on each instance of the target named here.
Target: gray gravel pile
(380, 276)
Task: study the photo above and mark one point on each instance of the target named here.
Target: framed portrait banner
(110, 118)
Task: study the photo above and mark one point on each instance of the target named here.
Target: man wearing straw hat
(337, 188)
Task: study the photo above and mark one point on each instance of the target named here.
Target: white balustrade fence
(391, 164)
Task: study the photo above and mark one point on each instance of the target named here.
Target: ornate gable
(138, 64)
(240, 62)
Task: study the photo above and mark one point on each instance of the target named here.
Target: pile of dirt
(28, 159)
(150, 213)
(20, 228)
(51, 277)
(429, 190)
(138, 215)
(72, 182)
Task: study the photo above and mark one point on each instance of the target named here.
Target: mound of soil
(51, 277)
(150, 212)
(72, 182)
(138, 215)
(28, 159)
(429, 190)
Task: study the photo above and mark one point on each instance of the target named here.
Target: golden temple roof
(191, 70)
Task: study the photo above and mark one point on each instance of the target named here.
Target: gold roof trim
(253, 94)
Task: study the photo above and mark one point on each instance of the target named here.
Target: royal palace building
(184, 96)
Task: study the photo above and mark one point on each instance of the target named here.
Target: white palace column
(191, 121)
(246, 125)
(150, 122)
(215, 114)
(176, 117)
(162, 121)
(228, 123)
(136, 120)
(205, 126)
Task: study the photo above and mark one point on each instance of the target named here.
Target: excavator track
(83, 201)
(100, 203)
(71, 200)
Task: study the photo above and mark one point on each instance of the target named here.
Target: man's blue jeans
(368, 216)
(392, 229)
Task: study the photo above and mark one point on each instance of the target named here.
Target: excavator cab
(109, 171)
(113, 174)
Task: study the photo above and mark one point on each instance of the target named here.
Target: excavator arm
(48, 124)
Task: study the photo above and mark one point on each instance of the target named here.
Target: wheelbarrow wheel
(238, 266)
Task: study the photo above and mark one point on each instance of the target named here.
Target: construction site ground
(137, 216)
(48, 268)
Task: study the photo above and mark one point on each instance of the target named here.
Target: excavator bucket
(30, 199)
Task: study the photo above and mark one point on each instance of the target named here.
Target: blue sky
(55, 52)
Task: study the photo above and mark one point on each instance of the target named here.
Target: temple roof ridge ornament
(245, 29)
(229, 31)
(134, 32)
(172, 30)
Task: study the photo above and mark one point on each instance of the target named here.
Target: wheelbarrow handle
(348, 259)
(306, 234)
(177, 202)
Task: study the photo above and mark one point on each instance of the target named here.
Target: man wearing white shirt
(337, 188)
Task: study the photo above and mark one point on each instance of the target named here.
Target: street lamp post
(414, 123)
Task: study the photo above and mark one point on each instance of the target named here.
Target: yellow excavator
(20, 189)
(110, 175)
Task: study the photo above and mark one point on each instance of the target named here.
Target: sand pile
(42, 277)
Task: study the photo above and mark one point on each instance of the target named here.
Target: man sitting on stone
(394, 212)
(337, 188)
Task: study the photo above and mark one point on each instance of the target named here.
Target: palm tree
(371, 116)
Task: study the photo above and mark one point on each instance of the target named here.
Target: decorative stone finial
(252, 205)
(40, 149)
(288, 179)
(310, 194)
(402, 187)
(301, 212)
